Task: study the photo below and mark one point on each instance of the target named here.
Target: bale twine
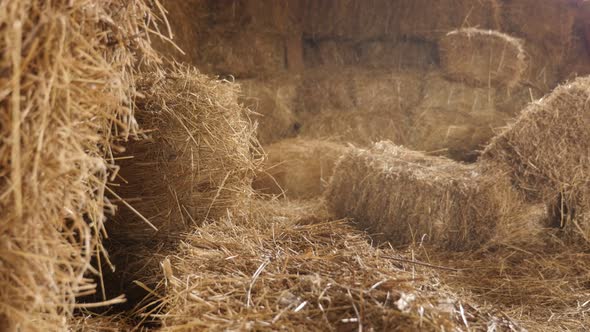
(404, 197)
(546, 150)
(482, 57)
(299, 168)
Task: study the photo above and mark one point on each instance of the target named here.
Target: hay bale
(454, 119)
(546, 148)
(482, 57)
(65, 95)
(401, 54)
(404, 196)
(423, 19)
(273, 103)
(360, 89)
(242, 54)
(359, 128)
(298, 168)
(330, 53)
(195, 163)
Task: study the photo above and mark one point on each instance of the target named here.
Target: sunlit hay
(402, 196)
(483, 57)
(546, 151)
(298, 168)
(357, 127)
(65, 93)
(94, 323)
(278, 271)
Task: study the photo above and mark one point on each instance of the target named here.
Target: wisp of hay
(66, 78)
(546, 152)
(402, 196)
(482, 57)
(298, 168)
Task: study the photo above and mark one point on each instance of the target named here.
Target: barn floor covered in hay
(296, 165)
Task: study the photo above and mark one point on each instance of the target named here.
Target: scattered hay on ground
(546, 152)
(65, 94)
(275, 271)
(404, 197)
(359, 128)
(483, 57)
(298, 168)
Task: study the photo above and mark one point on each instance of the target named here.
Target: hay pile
(65, 94)
(546, 152)
(406, 197)
(298, 168)
(288, 268)
(482, 57)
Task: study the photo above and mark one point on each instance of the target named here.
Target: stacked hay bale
(194, 163)
(482, 57)
(272, 103)
(65, 95)
(390, 191)
(298, 168)
(546, 151)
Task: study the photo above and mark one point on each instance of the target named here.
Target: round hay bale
(404, 197)
(273, 105)
(546, 149)
(298, 168)
(359, 128)
(482, 57)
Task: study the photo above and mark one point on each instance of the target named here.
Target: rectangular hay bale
(403, 196)
(482, 57)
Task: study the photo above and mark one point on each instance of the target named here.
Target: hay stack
(482, 57)
(65, 94)
(299, 168)
(359, 128)
(546, 149)
(273, 105)
(195, 162)
(404, 196)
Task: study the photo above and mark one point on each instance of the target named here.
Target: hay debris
(298, 168)
(483, 57)
(546, 151)
(406, 197)
(65, 94)
(275, 271)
